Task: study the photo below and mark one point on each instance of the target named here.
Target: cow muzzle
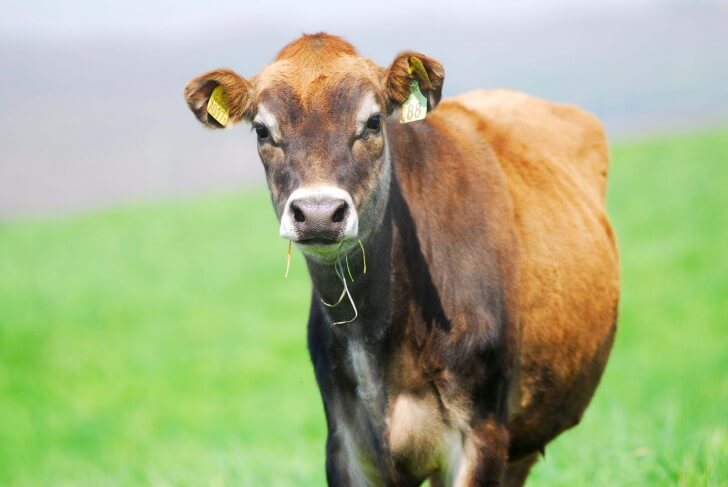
(319, 216)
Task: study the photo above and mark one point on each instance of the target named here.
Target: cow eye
(261, 131)
(375, 122)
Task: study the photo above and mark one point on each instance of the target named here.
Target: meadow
(159, 344)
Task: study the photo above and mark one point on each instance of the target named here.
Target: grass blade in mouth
(338, 301)
(346, 258)
(339, 269)
(340, 273)
(363, 255)
(288, 261)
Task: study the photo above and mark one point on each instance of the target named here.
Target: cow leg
(517, 472)
(484, 457)
(337, 472)
(345, 463)
(491, 441)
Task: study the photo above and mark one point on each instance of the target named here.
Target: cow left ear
(407, 66)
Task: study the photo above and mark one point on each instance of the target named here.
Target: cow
(465, 274)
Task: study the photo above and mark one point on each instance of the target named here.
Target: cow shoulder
(456, 219)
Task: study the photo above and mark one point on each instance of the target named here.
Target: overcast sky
(49, 19)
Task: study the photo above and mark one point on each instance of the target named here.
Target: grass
(159, 343)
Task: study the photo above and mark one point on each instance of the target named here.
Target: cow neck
(370, 291)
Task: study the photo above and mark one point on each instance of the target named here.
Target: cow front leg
(485, 455)
(342, 467)
(337, 470)
(346, 463)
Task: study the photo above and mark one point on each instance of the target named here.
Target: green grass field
(159, 343)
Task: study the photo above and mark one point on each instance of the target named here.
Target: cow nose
(319, 215)
(319, 218)
(319, 212)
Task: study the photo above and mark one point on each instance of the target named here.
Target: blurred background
(146, 333)
(94, 87)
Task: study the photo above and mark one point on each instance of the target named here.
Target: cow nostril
(298, 214)
(338, 215)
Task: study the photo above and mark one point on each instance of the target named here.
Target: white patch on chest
(368, 382)
(352, 423)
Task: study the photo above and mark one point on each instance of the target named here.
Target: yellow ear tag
(415, 106)
(217, 106)
(417, 67)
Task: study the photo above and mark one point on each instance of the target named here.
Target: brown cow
(483, 323)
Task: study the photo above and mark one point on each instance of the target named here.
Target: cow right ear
(232, 98)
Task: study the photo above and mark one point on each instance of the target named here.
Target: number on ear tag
(415, 107)
(217, 106)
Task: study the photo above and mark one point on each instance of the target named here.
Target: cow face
(319, 113)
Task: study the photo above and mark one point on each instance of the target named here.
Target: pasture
(159, 343)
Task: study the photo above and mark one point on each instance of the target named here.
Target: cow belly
(569, 290)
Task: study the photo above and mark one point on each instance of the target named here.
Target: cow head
(320, 114)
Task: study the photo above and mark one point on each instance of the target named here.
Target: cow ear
(231, 103)
(408, 66)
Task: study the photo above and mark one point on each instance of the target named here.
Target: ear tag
(415, 106)
(418, 68)
(217, 106)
